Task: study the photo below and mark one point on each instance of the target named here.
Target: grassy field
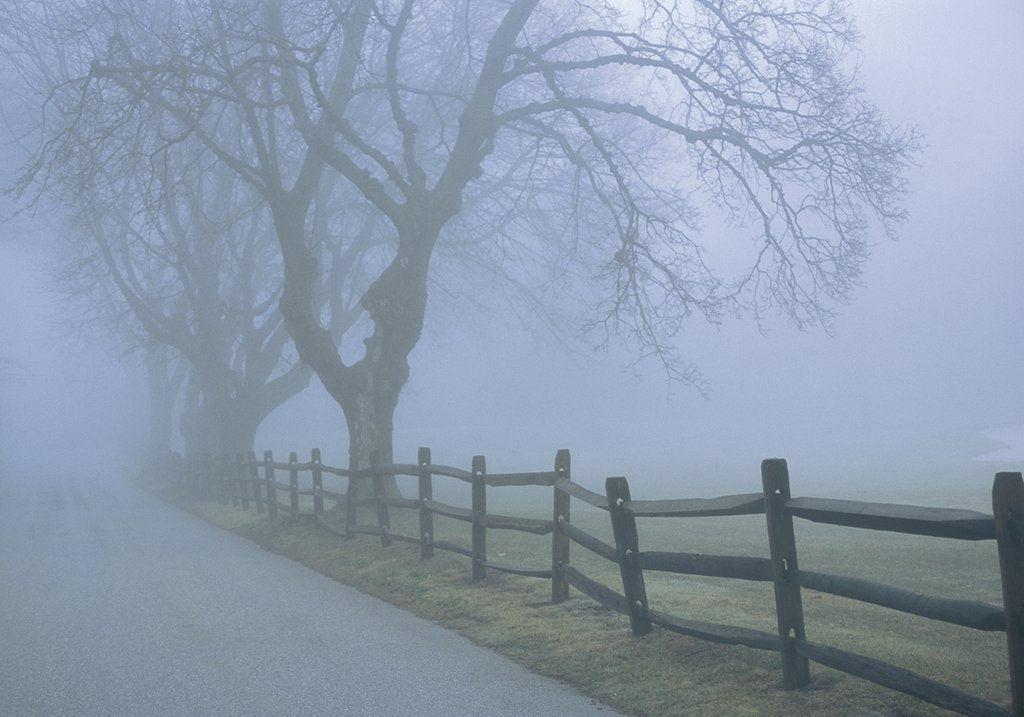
(592, 648)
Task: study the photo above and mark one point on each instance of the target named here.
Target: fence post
(479, 517)
(627, 545)
(318, 485)
(220, 479)
(426, 492)
(351, 498)
(230, 473)
(220, 470)
(222, 475)
(254, 477)
(203, 487)
(268, 473)
(178, 471)
(559, 539)
(240, 480)
(217, 479)
(782, 544)
(213, 486)
(1008, 510)
(380, 499)
(203, 477)
(293, 484)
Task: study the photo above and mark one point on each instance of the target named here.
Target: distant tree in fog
(167, 248)
(596, 137)
(192, 265)
(165, 375)
(193, 273)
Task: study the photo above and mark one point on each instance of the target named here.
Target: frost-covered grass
(663, 673)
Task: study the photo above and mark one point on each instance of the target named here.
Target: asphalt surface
(113, 603)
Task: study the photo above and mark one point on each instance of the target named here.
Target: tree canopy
(629, 145)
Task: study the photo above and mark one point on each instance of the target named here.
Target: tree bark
(164, 383)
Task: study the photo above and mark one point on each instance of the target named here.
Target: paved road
(112, 603)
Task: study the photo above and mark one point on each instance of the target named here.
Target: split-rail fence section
(246, 480)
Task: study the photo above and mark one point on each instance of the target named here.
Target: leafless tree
(193, 266)
(612, 138)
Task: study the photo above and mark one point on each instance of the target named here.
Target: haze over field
(920, 380)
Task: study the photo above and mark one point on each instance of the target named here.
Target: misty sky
(921, 378)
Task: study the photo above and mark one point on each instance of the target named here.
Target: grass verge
(591, 648)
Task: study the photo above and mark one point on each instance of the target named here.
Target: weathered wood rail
(244, 480)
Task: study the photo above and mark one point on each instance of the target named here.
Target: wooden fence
(246, 480)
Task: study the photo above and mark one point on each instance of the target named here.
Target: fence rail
(243, 481)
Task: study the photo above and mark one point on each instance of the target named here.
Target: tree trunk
(238, 430)
(396, 301)
(198, 430)
(213, 426)
(370, 420)
(164, 384)
(233, 423)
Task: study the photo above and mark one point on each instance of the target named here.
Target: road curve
(113, 603)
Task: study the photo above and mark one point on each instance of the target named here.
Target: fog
(917, 384)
